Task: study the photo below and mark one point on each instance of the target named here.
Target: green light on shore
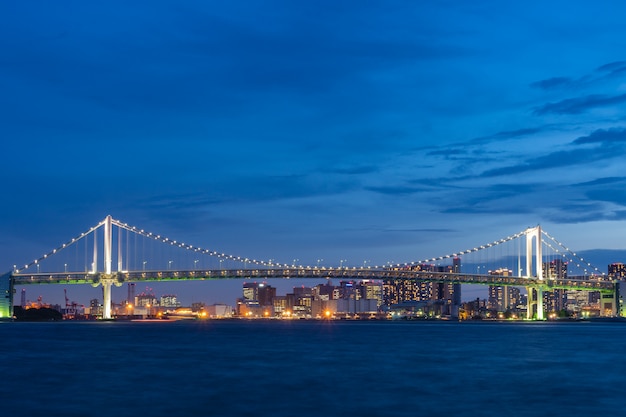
(6, 296)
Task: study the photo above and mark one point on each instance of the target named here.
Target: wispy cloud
(603, 136)
(553, 83)
(396, 189)
(580, 105)
(617, 68)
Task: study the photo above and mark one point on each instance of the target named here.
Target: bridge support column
(6, 296)
(534, 307)
(106, 299)
(609, 304)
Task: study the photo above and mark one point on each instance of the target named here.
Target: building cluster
(511, 302)
(356, 299)
(396, 299)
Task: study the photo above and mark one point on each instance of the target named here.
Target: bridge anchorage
(140, 256)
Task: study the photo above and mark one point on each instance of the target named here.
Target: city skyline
(370, 132)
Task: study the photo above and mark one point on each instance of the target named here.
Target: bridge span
(537, 277)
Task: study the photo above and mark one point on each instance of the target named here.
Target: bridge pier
(6, 296)
(107, 281)
(106, 297)
(534, 307)
(609, 303)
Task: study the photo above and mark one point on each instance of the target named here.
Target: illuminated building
(219, 311)
(280, 305)
(300, 302)
(555, 300)
(371, 290)
(260, 293)
(617, 271)
(447, 295)
(577, 301)
(169, 301)
(325, 292)
(399, 291)
(503, 297)
(250, 291)
(146, 299)
(95, 307)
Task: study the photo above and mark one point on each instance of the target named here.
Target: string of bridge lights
(63, 246)
(463, 252)
(200, 250)
(579, 258)
(270, 263)
(285, 265)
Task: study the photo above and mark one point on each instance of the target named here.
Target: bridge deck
(318, 273)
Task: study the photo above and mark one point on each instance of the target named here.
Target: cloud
(613, 68)
(396, 190)
(448, 152)
(511, 134)
(601, 181)
(421, 230)
(600, 74)
(552, 83)
(580, 105)
(548, 161)
(606, 136)
(356, 170)
(583, 213)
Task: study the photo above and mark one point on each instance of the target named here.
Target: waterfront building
(399, 291)
(146, 299)
(169, 300)
(325, 292)
(95, 307)
(372, 290)
(446, 295)
(281, 308)
(261, 293)
(219, 311)
(555, 300)
(131, 293)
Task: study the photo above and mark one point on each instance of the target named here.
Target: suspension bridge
(112, 253)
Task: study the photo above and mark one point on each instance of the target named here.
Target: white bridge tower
(535, 293)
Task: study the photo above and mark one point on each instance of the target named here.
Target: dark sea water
(312, 368)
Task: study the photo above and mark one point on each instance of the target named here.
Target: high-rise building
(400, 291)
(266, 295)
(131, 293)
(371, 290)
(446, 294)
(577, 300)
(250, 291)
(555, 300)
(325, 292)
(503, 298)
(617, 271)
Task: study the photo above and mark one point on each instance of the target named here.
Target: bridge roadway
(119, 278)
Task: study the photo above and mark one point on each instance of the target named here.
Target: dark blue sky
(276, 129)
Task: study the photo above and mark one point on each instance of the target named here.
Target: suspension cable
(576, 259)
(63, 246)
